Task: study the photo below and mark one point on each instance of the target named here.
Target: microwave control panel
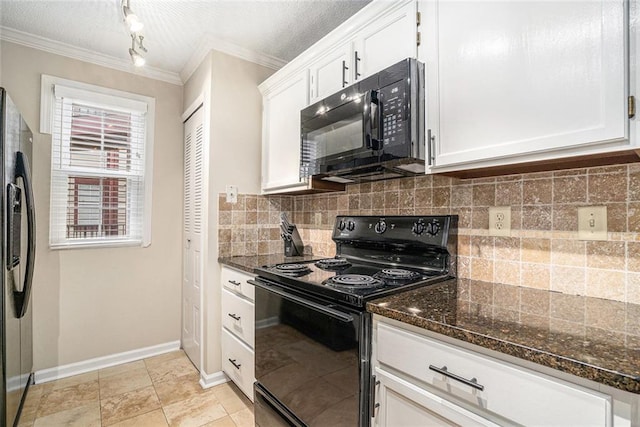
(394, 120)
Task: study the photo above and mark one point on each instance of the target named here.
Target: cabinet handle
(357, 60)
(233, 282)
(372, 395)
(431, 139)
(473, 382)
(344, 73)
(233, 362)
(233, 316)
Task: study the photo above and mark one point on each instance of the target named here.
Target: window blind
(97, 170)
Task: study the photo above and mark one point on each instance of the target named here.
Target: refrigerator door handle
(13, 213)
(23, 171)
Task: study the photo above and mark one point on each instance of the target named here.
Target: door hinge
(631, 104)
(418, 38)
(418, 19)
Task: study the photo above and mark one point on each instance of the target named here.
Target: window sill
(97, 244)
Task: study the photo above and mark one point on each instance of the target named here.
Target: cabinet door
(281, 133)
(385, 40)
(402, 403)
(529, 77)
(330, 73)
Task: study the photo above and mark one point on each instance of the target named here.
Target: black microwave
(371, 130)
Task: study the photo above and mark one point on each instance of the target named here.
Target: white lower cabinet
(238, 329)
(238, 362)
(423, 379)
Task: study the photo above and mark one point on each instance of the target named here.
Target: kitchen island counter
(591, 338)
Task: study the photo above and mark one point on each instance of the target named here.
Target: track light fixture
(134, 25)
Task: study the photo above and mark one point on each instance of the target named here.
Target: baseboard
(210, 380)
(51, 374)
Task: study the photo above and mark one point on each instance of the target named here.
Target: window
(100, 165)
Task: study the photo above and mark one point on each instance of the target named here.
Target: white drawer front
(238, 317)
(238, 363)
(402, 403)
(515, 393)
(236, 281)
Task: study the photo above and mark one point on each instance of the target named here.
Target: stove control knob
(380, 227)
(418, 227)
(341, 225)
(433, 228)
(351, 225)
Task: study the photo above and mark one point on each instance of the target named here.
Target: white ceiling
(178, 33)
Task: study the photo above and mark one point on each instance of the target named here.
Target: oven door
(343, 136)
(311, 359)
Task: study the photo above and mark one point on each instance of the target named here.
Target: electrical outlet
(592, 223)
(232, 193)
(500, 221)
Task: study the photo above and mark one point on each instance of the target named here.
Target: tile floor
(158, 391)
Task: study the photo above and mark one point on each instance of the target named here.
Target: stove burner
(397, 274)
(351, 281)
(333, 263)
(293, 269)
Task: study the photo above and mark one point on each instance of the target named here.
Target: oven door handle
(343, 317)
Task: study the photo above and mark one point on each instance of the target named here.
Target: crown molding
(213, 43)
(73, 52)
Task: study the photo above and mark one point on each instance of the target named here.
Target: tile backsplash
(542, 252)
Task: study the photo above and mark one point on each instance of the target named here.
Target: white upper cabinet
(330, 73)
(381, 40)
(511, 82)
(281, 133)
(388, 39)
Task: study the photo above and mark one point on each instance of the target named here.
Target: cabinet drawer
(236, 281)
(237, 363)
(517, 394)
(402, 403)
(238, 317)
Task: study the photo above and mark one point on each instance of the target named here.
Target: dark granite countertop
(249, 263)
(591, 338)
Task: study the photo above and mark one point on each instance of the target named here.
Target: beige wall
(96, 302)
(233, 108)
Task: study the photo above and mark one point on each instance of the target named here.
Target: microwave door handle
(372, 135)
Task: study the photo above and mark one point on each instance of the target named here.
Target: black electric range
(313, 334)
(376, 256)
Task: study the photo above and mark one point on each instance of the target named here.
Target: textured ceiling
(175, 29)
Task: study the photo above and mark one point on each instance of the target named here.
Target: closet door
(192, 237)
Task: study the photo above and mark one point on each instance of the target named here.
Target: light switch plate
(592, 223)
(500, 221)
(232, 193)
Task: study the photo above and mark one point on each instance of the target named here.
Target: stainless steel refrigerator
(18, 256)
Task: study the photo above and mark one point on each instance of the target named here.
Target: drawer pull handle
(233, 316)
(473, 382)
(233, 362)
(233, 282)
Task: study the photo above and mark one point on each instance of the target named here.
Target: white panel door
(192, 244)
(386, 40)
(281, 134)
(510, 78)
(330, 73)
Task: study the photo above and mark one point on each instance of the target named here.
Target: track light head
(138, 60)
(131, 19)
